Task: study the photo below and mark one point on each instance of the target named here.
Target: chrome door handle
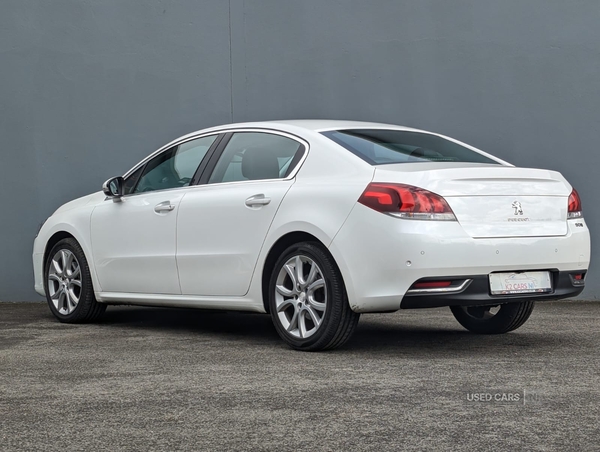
(164, 207)
(257, 200)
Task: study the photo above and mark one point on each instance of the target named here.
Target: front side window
(174, 167)
(132, 180)
(380, 147)
(256, 156)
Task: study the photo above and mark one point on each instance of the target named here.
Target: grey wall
(89, 87)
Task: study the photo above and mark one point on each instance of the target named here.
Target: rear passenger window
(256, 156)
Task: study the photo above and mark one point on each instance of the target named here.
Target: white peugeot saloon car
(316, 222)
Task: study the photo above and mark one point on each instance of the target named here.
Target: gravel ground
(170, 379)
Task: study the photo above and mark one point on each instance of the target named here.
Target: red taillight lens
(406, 201)
(574, 210)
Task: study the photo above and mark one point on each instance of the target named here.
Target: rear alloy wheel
(307, 299)
(68, 284)
(493, 319)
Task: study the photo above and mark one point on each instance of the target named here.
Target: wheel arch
(53, 240)
(275, 251)
(65, 231)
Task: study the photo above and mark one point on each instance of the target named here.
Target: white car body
(210, 250)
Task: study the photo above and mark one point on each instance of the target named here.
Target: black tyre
(68, 284)
(308, 301)
(493, 319)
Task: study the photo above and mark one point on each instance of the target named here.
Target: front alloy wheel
(64, 281)
(68, 284)
(308, 301)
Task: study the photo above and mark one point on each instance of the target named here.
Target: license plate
(520, 282)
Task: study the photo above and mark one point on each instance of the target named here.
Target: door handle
(257, 200)
(164, 207)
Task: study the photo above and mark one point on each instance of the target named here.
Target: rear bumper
(381, 257)
(477, 293)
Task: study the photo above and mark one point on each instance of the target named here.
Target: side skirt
(181, 301)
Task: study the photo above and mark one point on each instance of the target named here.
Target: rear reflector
(574, 210)
(406, 201)
(439, 287)
(577, 279)
(431, 284)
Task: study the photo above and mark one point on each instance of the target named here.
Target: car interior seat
(260, 163)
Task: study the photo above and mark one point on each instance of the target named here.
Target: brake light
(574, 210)
(406, 201)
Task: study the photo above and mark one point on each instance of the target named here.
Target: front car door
(134, 240)
(223, 222)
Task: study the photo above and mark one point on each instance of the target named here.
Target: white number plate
(522, 282)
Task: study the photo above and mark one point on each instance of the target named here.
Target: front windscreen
(380, 147)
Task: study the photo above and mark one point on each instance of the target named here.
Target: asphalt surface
(169, 379)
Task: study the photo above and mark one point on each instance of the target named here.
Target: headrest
(259, 163)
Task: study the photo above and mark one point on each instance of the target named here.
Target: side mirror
(113, 188)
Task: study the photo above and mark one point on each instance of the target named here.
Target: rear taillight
(406, 201)
(574, 210)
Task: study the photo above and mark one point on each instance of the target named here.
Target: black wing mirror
(113, 188)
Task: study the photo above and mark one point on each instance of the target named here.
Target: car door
(134, 239)
(223, 222)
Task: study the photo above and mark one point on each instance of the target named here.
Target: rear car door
(223, 221)
(134, 240)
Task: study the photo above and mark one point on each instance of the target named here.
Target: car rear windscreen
(384, 146)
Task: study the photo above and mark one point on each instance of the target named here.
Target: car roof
(313, 125)
(293, 126)
(321, 125)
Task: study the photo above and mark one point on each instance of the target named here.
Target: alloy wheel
(64, 281)
(301, 296)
